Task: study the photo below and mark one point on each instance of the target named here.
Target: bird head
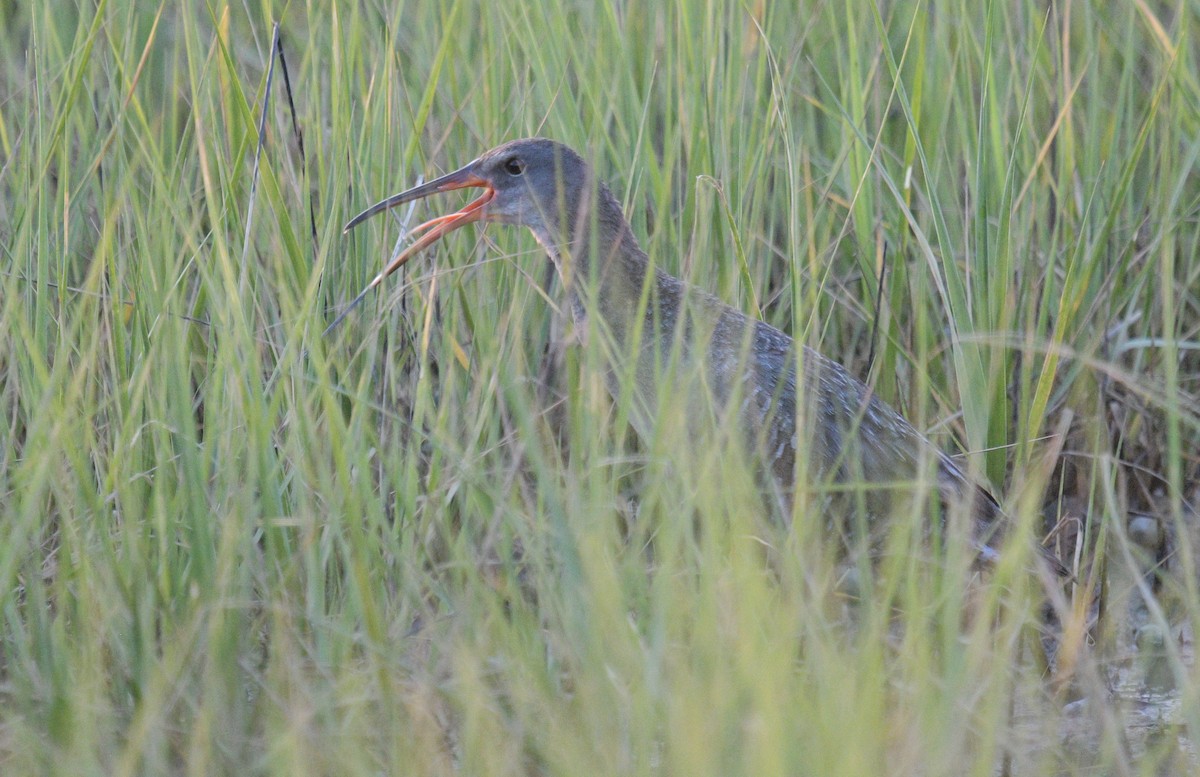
(536, 183)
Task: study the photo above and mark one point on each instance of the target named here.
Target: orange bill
(437, 227)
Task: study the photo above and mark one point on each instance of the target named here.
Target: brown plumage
(848, 434)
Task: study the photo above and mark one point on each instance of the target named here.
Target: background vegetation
(430, 544)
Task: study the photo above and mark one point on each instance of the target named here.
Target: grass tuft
(430, 543)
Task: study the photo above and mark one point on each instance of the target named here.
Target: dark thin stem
(883, 266)
(287, 90)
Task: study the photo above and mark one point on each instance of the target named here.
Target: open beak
(442, 225)
(437, 227)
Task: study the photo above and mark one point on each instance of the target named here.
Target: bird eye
(514, 166)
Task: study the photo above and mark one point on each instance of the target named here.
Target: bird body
(788, 400)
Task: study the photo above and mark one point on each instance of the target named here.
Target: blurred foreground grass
(431, 545)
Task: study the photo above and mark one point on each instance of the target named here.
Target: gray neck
(604, 269)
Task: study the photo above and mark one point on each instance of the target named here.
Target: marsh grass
(430, 543)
